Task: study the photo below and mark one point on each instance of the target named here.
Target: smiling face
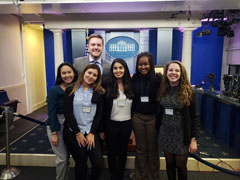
(143, 65)
(67, 74)
(118, 70)
(90, 76)
(174, 74)
(95, 47)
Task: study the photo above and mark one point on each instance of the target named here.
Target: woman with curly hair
(178, 119)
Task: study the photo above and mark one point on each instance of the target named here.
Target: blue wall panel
(67, 46)
(207, 57)
(153, 43)
(177, 45)
(49, 58)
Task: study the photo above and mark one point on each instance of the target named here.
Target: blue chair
(4, 101)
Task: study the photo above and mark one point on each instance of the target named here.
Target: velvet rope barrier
(30, 119)
(214, 166)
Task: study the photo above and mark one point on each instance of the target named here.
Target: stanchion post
(6, 110)
(9, 172)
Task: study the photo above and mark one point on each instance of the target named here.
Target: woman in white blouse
(117, 122)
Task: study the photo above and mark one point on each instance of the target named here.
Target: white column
(187, 50)
(58, 48)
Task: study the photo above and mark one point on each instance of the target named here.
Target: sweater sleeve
(98, 116)
(52, 100)
(104, 114)
(194, 116)
(68, 111)
(158, 117)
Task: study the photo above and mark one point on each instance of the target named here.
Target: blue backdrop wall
(207, 57)
(49, 58)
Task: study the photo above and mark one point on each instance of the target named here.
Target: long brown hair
(96, 85)
(185, 91)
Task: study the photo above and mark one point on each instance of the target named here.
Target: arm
(52, 110)
(104, 118)
(194, 113)
(195, 123)
(96, 120)
(99, 112)
(68, 111)
(53, 122)
(158, 117)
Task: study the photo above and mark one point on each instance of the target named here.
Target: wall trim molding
(39, 105)
(12, 86)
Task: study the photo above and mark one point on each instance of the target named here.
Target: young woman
(117, 117)
(145, 84)
(83, 105)
(179, 119)
(66, 74)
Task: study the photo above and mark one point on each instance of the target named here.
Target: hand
(90, 141)
(101, 135)
(55, 139)
(81, 139)
(193, 146)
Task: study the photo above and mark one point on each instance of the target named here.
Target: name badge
(169, 112)
(86, 109)
(120, 103)
(144, 99)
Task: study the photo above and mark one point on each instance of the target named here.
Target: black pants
(80, 156)
(117, 138)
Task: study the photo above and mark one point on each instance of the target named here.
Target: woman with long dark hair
(66, 74)
(117, 117)
(179, 119)
(83, 105)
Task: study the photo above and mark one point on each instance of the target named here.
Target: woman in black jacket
(83, 105)
(179, 119)
(117, 117)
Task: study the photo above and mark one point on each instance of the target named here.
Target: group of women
(161, 109)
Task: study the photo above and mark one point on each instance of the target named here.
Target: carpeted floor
(48, 173)
(20, 127)
(28, 137)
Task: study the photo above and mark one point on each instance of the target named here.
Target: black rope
(215, 166)
(30, 119)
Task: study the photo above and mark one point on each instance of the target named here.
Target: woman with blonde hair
(178, 118)
(83, 105)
